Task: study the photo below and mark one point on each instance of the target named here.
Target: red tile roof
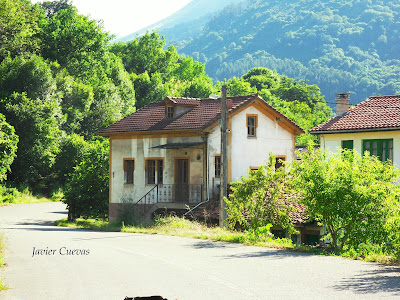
(181, 101)
(375, 113)
(200, 114)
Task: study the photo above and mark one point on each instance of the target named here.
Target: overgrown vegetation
(356, 197)
(12, 195)
(61, 82)
(259, 200)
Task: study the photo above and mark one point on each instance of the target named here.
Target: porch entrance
(182, 180)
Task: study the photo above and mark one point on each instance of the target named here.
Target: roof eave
(197, 131)
(354, 130)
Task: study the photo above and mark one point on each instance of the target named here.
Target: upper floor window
(129, 169)
(251, 125)
(382, 148)
(169, 112)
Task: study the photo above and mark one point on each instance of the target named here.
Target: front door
(182, 180)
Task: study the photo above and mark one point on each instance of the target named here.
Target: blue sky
(122, 17)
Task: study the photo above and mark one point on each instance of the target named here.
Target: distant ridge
(194, 16)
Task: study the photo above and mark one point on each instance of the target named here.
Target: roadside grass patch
(91, 224)
(2, 263)
(11, 195)
(178, 226)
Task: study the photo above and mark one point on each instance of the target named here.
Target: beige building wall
(333, 142)
(141, 149)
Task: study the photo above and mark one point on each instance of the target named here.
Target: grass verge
(177, 226)
(11, 195)
(2, 263)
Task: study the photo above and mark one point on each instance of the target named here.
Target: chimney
(229, 103)
(342, 103)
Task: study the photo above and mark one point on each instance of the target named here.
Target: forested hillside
(185, 23)
(340, 45)
(61, 83)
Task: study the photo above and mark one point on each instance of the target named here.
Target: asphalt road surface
(47, 262)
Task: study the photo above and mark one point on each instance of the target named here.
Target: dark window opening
(154, 169)
(170, 112)
(129, 167)
(349, 144)
(160, 171)
(279, 162)
(251, 126)
(217, 164)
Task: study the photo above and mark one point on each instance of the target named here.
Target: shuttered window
(382, 148)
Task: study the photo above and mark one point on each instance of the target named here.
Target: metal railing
(180, 193)
(169, 193)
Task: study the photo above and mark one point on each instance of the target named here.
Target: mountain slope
(187, 22)
(341, 45)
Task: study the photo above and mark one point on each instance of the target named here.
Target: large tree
(36, 125)
(18, 27)
(8, 146)
(157, 72)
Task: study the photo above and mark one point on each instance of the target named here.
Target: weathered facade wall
(333, 142)
(140, 149)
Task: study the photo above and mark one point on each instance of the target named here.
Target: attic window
(251, 125)
(169, 112)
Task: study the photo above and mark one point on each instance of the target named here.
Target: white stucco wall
(333, 142)
(271, 137)
(248, 152)
(140, 149)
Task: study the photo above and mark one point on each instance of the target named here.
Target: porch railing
(180, 193)
(169, 193)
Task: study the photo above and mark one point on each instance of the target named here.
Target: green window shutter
(349, 144)
(383, 149)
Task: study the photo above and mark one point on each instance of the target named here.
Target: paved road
(114, 265)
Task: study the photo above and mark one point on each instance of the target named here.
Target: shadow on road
(386, 279)
(210, 245)
(270, 254)
(59, 212)
(39, 225)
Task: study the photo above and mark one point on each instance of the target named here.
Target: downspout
(207, 179)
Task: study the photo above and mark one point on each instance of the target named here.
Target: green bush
(86, 191)
(260, 199)
(8, 194)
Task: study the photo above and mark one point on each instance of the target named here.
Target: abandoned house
(166, 155)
